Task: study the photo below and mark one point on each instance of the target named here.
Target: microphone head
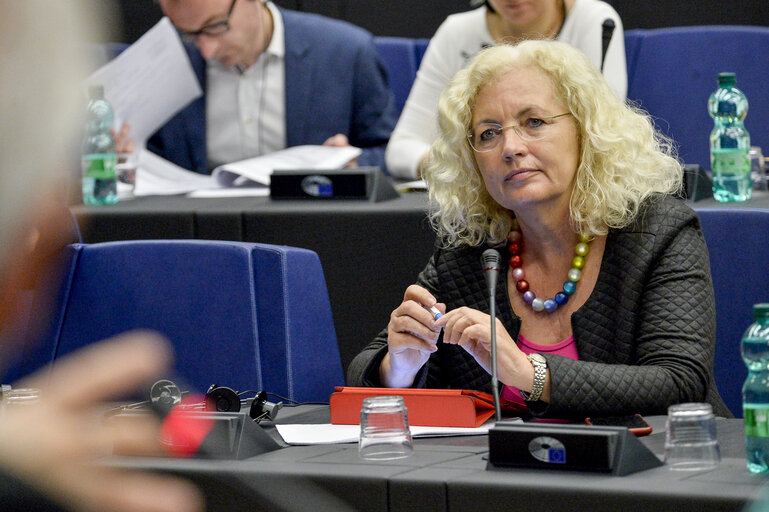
(490, 259)
(608, 24)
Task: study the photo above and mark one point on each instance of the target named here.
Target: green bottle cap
(727, 79)
(760, 311)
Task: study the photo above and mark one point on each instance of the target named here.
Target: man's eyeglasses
(214, 29)
(487, 136)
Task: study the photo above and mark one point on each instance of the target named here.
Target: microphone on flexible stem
(490, 262)
(606, 33)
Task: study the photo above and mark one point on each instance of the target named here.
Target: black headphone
(165, 394)
(224, 399)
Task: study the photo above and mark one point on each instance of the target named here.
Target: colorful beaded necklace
(515, 238)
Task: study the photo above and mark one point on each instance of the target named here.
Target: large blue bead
(569, 287)
(561, 298)
(550, 305)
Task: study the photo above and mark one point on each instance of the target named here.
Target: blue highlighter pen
(434, 311)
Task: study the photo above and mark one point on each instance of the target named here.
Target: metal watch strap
(540, 372)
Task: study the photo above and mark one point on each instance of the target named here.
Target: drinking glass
(691, 441)
(384, 429)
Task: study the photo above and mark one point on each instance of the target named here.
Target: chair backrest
(399, 57)
(674, 71)
(633, 40)
(243, 315)
(737, 239)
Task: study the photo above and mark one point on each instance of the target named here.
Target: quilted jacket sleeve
(646, 341)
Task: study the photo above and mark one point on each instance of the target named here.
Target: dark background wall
(420, 18)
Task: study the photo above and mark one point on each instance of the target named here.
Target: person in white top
(461, 36)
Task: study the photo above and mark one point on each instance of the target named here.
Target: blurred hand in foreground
(56, 443)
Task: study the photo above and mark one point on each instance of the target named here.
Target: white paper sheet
(157, 176)
(411, 186)
(259, 169)
(231, 192)
(332, 434)
(149, 81)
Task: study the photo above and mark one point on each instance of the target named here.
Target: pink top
(565, 348)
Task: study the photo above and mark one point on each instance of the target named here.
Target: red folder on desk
(426, 407)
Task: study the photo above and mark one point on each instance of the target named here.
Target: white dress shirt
(246, 112)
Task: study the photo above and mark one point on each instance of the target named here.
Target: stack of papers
(257, 170)
(157, 176)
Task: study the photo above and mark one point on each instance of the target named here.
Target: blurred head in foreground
(51, 446)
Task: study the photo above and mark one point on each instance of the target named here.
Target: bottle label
(756, 420)
(730, 162)
(99, 166)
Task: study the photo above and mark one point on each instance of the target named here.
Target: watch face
(539, 358)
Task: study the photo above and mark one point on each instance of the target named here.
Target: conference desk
(449, 474)
(370, 252)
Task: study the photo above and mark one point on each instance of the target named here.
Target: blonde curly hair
(623, 160)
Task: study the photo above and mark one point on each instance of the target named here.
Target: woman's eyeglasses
(487, 136)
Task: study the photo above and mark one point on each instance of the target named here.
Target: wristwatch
(540, 372)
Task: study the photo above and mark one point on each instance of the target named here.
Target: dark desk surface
(449, 474)
(370, 252)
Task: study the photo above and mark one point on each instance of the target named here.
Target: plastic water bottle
(99, 156)
(729, 142)
(755, 392)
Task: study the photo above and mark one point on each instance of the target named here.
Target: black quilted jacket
(645, 336)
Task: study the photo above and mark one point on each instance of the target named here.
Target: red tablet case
(426, 407)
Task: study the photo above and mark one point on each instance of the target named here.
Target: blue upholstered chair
(633, 40)
(737, 240)
(673, 71)
(243, 315)
(399, 57)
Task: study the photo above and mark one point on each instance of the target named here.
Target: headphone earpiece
(164, 394)
(262, 409)
(222, 399)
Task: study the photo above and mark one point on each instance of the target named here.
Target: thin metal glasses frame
(518, 131)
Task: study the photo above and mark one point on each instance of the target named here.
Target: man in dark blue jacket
(274, 78)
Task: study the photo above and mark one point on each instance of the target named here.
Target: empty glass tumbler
(384, 429)
(691, 441)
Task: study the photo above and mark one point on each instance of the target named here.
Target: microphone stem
(494, 377)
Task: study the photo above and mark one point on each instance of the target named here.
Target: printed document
(149, 81)
(257, 170)
(157, 176)
(251, 177)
